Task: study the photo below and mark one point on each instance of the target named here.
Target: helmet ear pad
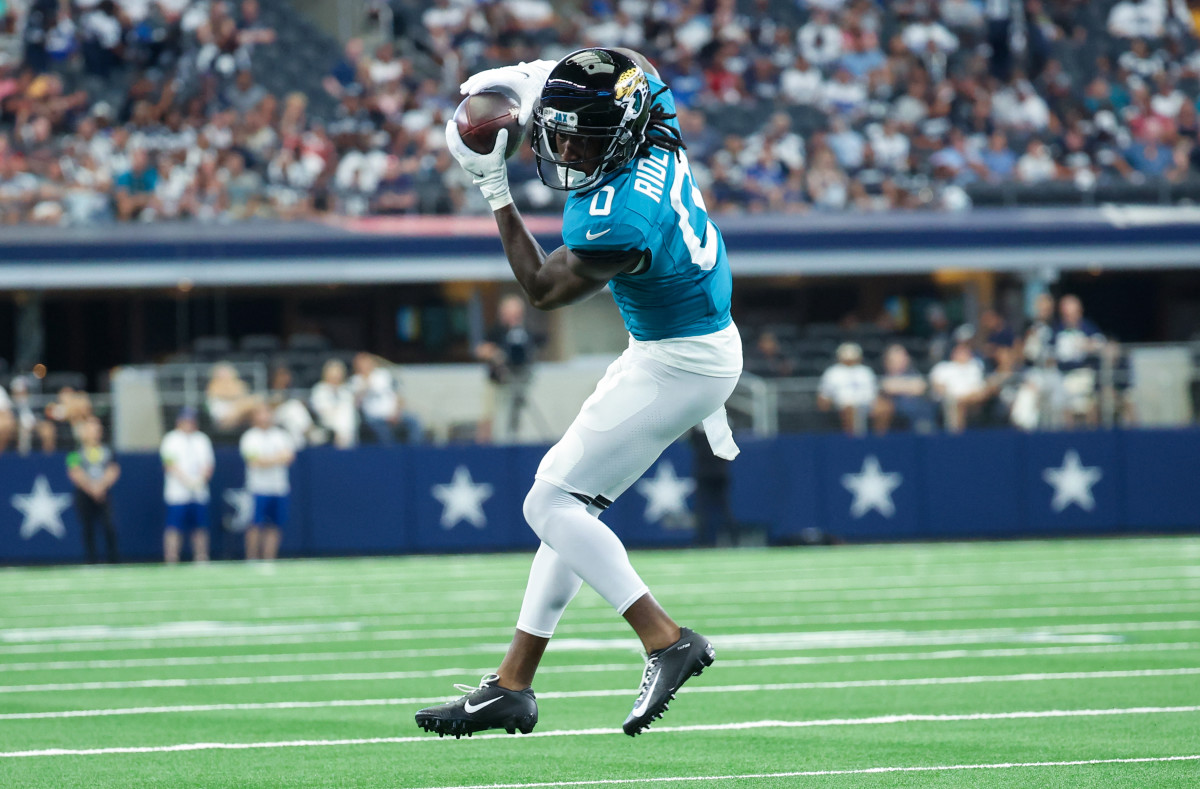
(598, 94)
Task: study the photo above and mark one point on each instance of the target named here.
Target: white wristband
(494, 187)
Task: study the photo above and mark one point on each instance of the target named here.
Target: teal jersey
(683, 285)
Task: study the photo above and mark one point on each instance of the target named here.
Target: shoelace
(486, 682)
(651, 662)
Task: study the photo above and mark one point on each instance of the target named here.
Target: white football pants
(638, 409)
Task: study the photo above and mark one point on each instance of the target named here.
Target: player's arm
(561, 277)
(172, 469)
(112, 473)
(77, 475)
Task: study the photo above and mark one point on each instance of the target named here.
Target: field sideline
(1058, 663)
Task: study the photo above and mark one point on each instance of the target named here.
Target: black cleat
(666, 670)
(488, 706)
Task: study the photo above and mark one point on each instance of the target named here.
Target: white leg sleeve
(552, 585)
(584, 544)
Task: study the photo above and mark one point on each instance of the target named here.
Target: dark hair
(659, 133)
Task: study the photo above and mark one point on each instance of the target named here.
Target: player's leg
(253, 536)
(270, 544)
(85, 509)
(172, 544)
(253, 539)
(199, 519)
(277, 517)
(110, 531)
(552, 585)
(173, 533)
(200, 545)
(505, 699)
(637, 410)
(617, 437)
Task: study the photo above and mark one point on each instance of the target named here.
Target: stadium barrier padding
(372, 500)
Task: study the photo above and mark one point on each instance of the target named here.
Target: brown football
(481, 117)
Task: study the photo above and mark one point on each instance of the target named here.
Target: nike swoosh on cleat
(593, 237)
(471, 710)
(640, 709)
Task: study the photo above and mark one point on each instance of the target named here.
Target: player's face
(581, 152)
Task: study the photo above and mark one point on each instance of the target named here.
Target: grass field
(1039, 664)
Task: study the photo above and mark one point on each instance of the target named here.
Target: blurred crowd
(346, 407)
(1055, 373)
(836, 104)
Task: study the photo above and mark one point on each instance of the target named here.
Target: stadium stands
(248, 111)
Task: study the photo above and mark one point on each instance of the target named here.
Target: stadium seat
(211, 346)
(259, 344)
(307, 342)
(60, 378)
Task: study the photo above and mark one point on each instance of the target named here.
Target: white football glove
(489, 169)
(525, 80)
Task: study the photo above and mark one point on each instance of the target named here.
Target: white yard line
(982, 595)
(795, 579)
(499, 648)
(800, 578)
(675, 779)
(776, 687)
(761, 641)
(216, 629)
(878, 720)
(379, 676)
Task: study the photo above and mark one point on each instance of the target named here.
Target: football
(481, 117)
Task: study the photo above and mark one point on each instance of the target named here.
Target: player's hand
(489, 169)
(525, 80)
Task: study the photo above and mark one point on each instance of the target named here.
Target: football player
(604, 130)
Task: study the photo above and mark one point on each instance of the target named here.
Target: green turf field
(1040, 664)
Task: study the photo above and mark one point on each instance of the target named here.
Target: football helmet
(590, 118)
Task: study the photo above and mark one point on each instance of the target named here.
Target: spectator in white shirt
(1137, 19)
(379, 401)
(1036, 165)
(890, 147)
(333, 403)
(268, 452)
(848, 387)
(187, 457)
(375, 394)
(929, 35)
(802, 83)
(962, 14)
(290, 412)
(820, 40)
(959, 383)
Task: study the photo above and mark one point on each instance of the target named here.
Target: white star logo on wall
(241, 501)
(1072, 483)
(666, 494)
(42, 509)
(872, 489)
(462, 499)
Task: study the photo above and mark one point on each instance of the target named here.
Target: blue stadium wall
(458, 499)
